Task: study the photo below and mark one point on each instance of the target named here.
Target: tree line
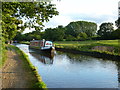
(74, 31)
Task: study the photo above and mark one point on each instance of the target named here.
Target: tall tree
(18, 15)
(117, 22)
(116, 34)
(75, 28)
(105, 30)
(55, 34)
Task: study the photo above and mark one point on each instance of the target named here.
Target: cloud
(87, 6)
(97, 11)
(58, 20)
(94, 18)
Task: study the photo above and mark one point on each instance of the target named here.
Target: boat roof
(37, 41)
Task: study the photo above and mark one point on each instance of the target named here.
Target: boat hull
(51, 49)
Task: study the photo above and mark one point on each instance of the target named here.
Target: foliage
(33, 35)
(25, 42)
(33, 14)
(61, 33)
(106, 30)
(70, 38)
(55, 34)
(81, 27)
(19, 36)
(82, 36)
(28, 36)
(79, 30)
(41, 85)
(3, 56)
(117, 22)
(116, 34)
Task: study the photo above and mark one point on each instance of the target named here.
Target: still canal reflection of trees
(67, 70)
(45, 58)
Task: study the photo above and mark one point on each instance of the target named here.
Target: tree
(116, 34)
(19, 37)
(55, 34)
(28, 36)
(117, 22)
(33, 13)
(82, 36)
(106, 30)
(75, 28)
(70, 38)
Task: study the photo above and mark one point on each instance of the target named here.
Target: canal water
(67, 70)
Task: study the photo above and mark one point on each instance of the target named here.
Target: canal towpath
(15, 74)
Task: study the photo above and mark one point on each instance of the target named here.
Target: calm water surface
(65, 70)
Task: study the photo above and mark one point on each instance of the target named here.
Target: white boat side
(42, 45)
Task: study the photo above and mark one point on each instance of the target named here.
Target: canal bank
(106, 49)
(18, 72)
(102, 55)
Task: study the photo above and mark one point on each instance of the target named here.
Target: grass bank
(25, 42)
(27, 64)
(3, 56)
(88, 46)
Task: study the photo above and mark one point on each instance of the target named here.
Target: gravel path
(14, 73)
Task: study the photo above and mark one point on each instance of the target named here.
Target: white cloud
(58, 20)
(27, 30)
(92, 10)
(87, 6)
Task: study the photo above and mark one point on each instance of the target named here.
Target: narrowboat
(45, 58)
(42, 45)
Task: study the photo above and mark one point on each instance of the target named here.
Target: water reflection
(104, 62)
(77, 58)
(66, 70)
(118, 68)
(46, 58)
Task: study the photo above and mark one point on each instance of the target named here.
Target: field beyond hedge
(88, 45)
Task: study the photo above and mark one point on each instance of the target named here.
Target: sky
(98, 11)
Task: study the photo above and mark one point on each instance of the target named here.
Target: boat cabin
(42, 44)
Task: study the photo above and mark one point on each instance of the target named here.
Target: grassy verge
(28, 64)
(88, 45)
(25, 42)
(2, 61)
(3, 56)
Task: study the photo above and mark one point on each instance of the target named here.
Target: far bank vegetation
(74, 31)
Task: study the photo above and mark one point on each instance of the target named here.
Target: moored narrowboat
(42, 45)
